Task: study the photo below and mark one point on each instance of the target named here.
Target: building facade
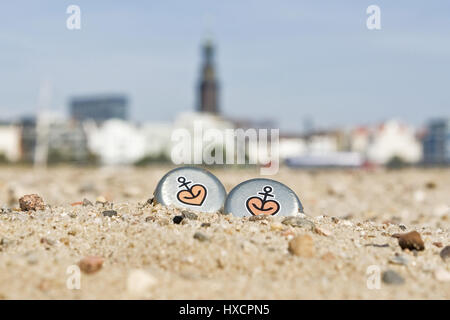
(99, 108)
(436, 142)
(9, 142)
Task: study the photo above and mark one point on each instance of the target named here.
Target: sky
(276, 60)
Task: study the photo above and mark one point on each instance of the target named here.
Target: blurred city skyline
(285, 61)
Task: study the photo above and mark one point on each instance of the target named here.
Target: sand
(147, 256)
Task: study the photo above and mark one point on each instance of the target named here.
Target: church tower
(208, 86)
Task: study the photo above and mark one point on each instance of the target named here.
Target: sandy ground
(146, 255)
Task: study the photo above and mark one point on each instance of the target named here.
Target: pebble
(31, 202)
(302, 246)
(177, 219)
(201, 237)
(430, 185)
(139, 282)
(411, 240)
(189, 215)
(445, 253)
(150, 201)
(205, 225)
(86, 203)
(101, 199)
(335, 220)
(399, 259)
(90, 264)
(376, 245)
(258, 218)
(441, 274)
(276, 226)
(438, 244)
(299, 222)
(4, 242)
(392, 277)
(109, 213)
(47, 241)
(322, 232)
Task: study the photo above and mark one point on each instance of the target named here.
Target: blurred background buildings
(99, 108)
(98, 131)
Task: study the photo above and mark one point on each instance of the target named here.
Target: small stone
(322, 232)
(402, 226)
(72, 214)
(392, 277)
(276, 226)
(399, 259)
(410, 240)
(65, 241)
(189, 215)
(90, 264)
(302, 246)
(47, 241)
(177, 219)
(4, 242)
(376, 245)
(87, 203)
(438, 244)
(258, 218)
(109, 213)
(441, 274)
(201, 237)
(430, 185)
(299, 222)
(139, 282)
(205, 225)
(150, 201)
(101, 199)
(445, 253)
(31, 202)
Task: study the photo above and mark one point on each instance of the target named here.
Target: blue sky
(281, 60)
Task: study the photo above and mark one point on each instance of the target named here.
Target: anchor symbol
(256, 205)
(194, 195)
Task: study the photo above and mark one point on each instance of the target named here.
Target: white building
(393, 139)
(157, 139)
(116, 141)
(292, 147)
(10, 142)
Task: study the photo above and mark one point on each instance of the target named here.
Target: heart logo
(194, 195)
(257, 206)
